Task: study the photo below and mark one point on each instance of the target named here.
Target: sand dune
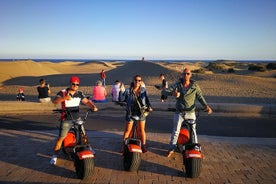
(10, 70)
(242, 86)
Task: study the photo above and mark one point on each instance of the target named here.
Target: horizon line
(96, 59)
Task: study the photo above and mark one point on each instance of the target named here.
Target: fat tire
(84, 168)
(192, 167)
(132, 161)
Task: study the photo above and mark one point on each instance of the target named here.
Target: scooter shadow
(31, 150)
(108, 145)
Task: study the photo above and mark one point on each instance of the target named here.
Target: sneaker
(170, 153)
(53, 160)
(198, 148)
(144, 149)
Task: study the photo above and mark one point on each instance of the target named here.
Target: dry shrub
(214, 66)
(271, 66)
(257, 67)
(231, 70)
(200, 70)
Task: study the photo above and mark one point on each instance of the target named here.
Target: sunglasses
(74, 84)
(186, 73)
(138, 80)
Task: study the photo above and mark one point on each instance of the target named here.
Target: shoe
(85, 139)
(170, 153)
(53, 160)
(144, 149)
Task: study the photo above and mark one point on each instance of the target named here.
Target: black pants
(164, 97)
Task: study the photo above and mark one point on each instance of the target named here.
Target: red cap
(75, 79)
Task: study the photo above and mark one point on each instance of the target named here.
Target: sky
(132, 29)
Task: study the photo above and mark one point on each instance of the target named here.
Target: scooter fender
(193, 154)
(134, 148)
(85, 154)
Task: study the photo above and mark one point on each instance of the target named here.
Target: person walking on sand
(136, 98)
(103, 76)
(43, 91)
(186, 91)
(70, 99)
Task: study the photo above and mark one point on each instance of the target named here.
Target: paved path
(25, 154)
(25, 158)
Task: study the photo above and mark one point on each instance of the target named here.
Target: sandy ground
(242, 86)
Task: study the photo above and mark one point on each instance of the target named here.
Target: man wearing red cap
(70, 99)
(186, 91)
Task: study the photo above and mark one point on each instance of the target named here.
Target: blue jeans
(103, 81)
(100, 101)
(65, 127)
(177, 122)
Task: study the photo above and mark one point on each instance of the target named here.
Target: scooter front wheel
(132, 160)
(84, 168)
(193, 167)
(192, 159)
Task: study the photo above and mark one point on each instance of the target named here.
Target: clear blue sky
(132, 29)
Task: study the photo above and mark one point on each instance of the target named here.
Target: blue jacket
(131, 100)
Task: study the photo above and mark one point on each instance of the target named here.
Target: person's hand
(68, 96)
(208, 110)
(95, 109)
(150, 109)
(176, 94)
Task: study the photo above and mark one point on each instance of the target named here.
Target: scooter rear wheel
(84, 168)
(132, 160)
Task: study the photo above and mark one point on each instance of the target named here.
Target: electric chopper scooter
(77, 147)
(191, 152)
(132, 150)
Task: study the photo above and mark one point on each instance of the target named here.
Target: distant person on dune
(103, 76)
(43, 91)
(117, 91)
(163, 86)
(99, 93)
(20, 95)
